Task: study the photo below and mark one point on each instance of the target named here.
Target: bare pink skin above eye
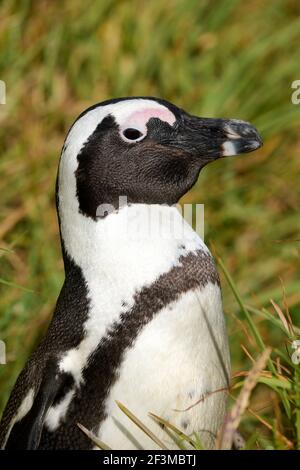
(139, 119)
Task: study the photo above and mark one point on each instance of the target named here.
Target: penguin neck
(133, 237)
(109, 261)
(138, 241)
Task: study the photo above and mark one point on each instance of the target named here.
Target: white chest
(117, 261)
(179, 356)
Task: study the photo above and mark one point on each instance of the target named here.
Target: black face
(157, 168)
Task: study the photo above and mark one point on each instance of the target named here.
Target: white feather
(23, 409)
(58, 412)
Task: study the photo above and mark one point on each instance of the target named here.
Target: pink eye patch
(139, 119)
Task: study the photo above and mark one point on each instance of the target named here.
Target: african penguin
(139, 318)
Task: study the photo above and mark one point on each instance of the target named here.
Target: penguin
(139, 318)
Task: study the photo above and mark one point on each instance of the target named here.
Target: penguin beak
(211, 139)
(241, 137)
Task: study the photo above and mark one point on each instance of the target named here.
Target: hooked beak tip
(242, 137)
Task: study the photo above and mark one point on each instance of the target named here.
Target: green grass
(226, 58)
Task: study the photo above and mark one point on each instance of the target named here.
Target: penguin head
(145, 149)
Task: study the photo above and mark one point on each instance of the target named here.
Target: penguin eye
(132, 134)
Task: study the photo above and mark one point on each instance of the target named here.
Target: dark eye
(132, 134)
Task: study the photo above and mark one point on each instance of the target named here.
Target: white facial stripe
(123, 111)
(140, 118)
(85, 126)
(228, 149)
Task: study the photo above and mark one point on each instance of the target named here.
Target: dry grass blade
(286, 307)
(141, 425)
(264, 374)
(207, 395)
(17, 286)
(247, 353)
(173, 428)
(269, 426)
(93, 438)
(283, 438)
(281, 315)
(233, 418)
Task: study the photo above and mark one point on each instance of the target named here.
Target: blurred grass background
(226, 58)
